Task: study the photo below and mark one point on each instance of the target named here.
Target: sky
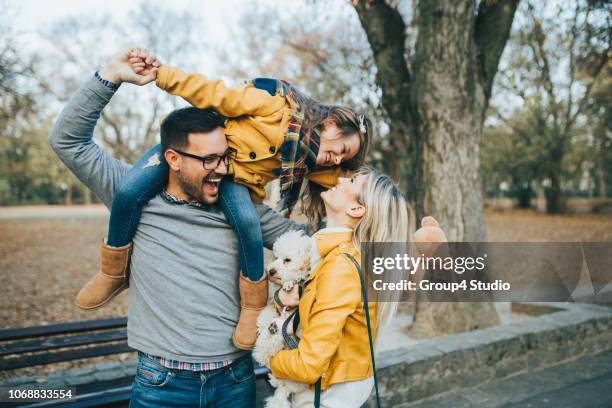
(36, 13)
(220, 18)
(33, 16)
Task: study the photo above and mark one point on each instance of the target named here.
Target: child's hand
(119, 70)
(144, 63)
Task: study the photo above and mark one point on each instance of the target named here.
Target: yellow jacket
(334, 343)
(256, 126)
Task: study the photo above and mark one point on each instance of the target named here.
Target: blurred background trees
(547, 117)
(553, 103)
(470, 100)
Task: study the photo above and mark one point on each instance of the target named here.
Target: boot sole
(99, 305)
(242, 346)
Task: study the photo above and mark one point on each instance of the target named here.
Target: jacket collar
(329, 238)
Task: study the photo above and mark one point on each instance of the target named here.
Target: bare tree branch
(491, 32)
(385, 30)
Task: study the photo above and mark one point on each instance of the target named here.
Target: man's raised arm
(72, 133)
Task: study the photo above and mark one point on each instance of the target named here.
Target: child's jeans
(241, 214)
(149, 176)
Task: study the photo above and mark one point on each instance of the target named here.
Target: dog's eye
(286, 260)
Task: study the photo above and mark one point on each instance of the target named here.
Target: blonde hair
(387, 219)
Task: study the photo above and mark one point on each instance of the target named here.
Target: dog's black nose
(272, 272)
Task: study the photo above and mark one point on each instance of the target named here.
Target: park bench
(55, 343)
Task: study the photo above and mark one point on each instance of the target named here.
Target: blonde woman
(334, 345)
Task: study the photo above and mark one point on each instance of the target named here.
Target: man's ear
(356, 211)
(173, 159)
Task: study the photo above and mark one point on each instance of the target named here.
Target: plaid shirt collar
(172, 199)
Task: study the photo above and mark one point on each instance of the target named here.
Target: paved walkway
(582, 383)
(43, 212)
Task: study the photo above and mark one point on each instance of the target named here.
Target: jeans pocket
(150, 374)
(242, 369)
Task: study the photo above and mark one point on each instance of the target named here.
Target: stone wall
(469, 359)
(446, 363)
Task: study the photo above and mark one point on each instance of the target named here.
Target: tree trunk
(68, 196)
(523, 195)
(86, 195)
(601, 181)
(441, 104)
(456, 59)
(554, 204)
(451, 102)
(553, 195)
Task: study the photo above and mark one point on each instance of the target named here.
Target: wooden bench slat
(62, 341)
(106, 397)
(62, 328)
(116, 395)
(61, 356)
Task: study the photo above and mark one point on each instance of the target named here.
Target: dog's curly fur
(291, 263)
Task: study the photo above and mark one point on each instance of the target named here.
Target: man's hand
(120, 70)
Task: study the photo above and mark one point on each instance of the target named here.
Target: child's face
(336, 148)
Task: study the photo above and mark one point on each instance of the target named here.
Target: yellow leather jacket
(256, 127)
(334, 343)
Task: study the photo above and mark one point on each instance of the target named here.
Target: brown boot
(253, 298)
(110, 281)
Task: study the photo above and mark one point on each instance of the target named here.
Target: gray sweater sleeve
(71, 139)
(273, 225)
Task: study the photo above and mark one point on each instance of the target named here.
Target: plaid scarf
(301, 144)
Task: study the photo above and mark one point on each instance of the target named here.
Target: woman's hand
(290, 298)
(429, 237)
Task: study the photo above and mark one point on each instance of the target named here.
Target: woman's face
(336, 148)
(343, 198)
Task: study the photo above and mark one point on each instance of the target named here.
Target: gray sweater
(183, 298)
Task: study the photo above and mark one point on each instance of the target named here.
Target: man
(183, 300)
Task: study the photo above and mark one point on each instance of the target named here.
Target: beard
(196, 187)
(193, 188)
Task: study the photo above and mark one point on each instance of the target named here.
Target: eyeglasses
(212, 161)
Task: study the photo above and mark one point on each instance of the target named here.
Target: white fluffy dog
(290, 265)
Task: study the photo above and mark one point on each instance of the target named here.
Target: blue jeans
(157, 386)
(150, 175)
(147, 177)
(240, 212)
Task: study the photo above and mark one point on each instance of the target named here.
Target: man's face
(200, 184)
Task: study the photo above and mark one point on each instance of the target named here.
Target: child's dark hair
(349, 122)
(180, 123)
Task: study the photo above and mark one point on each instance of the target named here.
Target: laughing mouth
(213, 182)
